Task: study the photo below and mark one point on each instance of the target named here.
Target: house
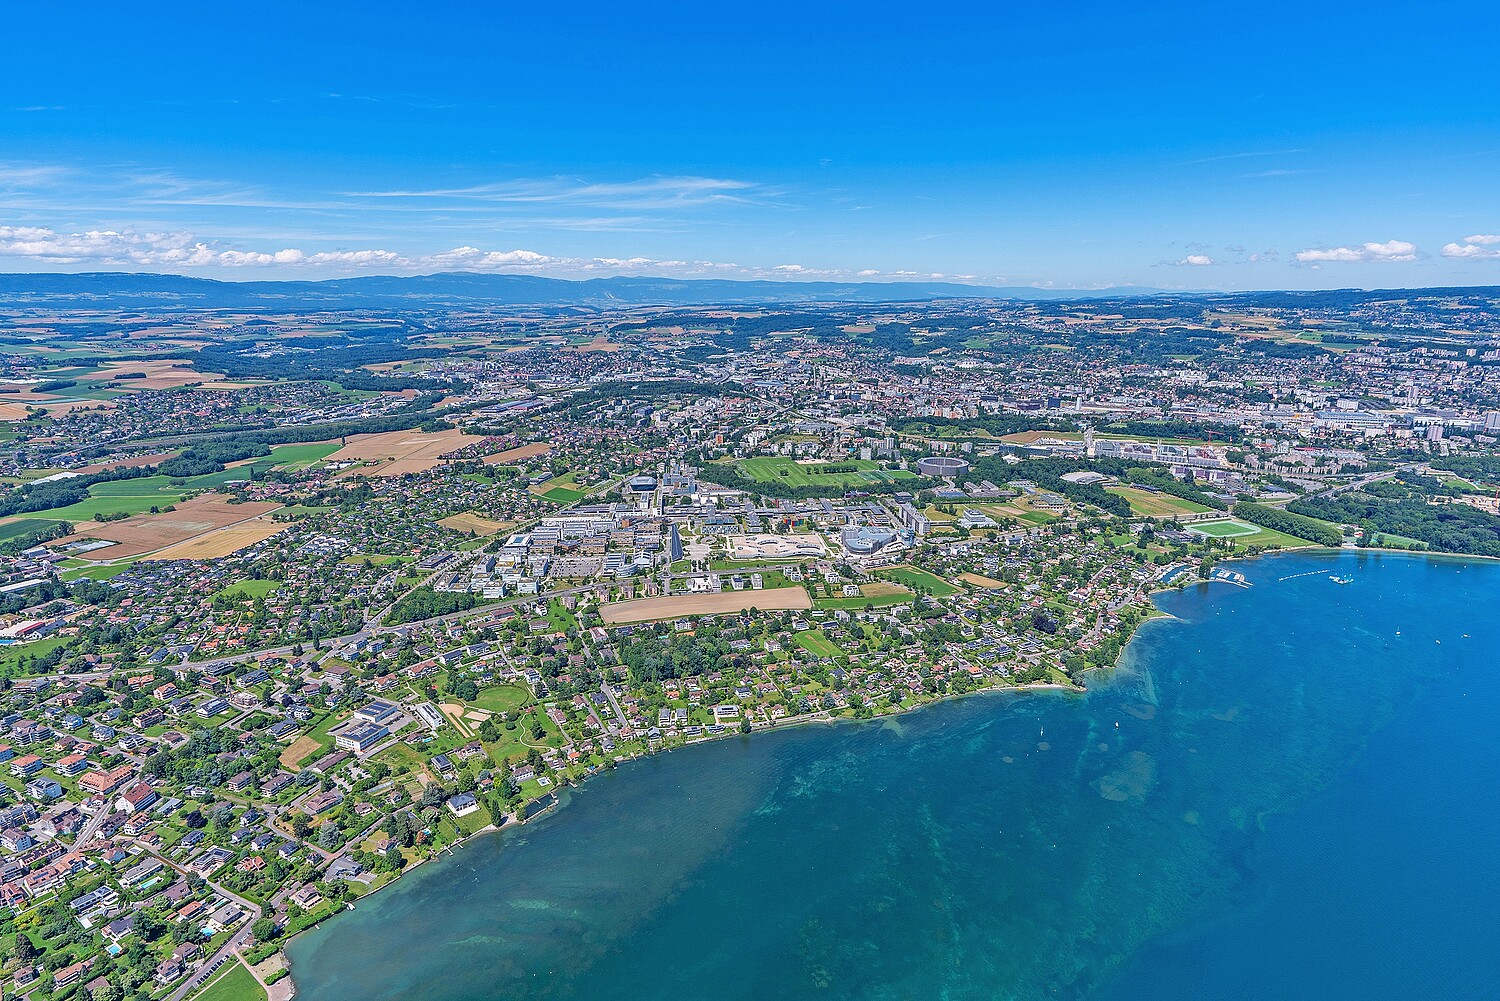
(241, 782)
(168, 971)
(463, 804)
(307, 897)
(70, 975)
(211, 707)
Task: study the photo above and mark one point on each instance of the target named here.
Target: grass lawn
(11, 656)
(559, 617)
(238, 984)
(919, 580)
(784, 469)
(502, 698)
(1149, 504)
(248, 589)
(815, 642)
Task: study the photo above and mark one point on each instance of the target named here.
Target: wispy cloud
(1391, 250)
(1194, 261)
(1246, 155)
(641, 194)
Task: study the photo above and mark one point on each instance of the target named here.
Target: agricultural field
(201, 516)
(25, 526)
(471, 522)
(653, 609)
(1150, 504)
(807, 473)
(97, 572)
(395, 453)
(519, 454)
(919, 580)
(297, 457)
(981, 581)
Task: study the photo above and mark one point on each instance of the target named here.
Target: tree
(264, 930)
(25, 951)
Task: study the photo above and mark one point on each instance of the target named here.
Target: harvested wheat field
(156, 458)
(471, 522)
(297, 750)
(677, 606)
(146, 533)
(221, 541)
(161, 373)
(979, 580)
(517, 454)
(395, 453)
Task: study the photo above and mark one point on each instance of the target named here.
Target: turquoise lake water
(1287, 791)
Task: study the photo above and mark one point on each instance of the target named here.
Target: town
(294, 601)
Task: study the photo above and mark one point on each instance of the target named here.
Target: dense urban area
(294, 599)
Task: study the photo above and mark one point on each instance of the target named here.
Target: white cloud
(104, 247)
(1478, 247)
(1195, 261)
(181, 251)
(1391, 250)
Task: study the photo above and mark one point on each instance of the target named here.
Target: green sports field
(1227, 529)
(786, 470)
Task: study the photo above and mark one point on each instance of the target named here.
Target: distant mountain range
(448, 289)
(454, 288)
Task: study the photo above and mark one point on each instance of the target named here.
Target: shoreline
(827, 720)
(801, 721)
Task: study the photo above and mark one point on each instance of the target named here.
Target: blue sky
(1203, 145)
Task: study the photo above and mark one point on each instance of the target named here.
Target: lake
(1286, 790)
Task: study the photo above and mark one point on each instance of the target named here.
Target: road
(1363, 481)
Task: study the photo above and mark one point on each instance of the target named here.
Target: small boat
(1340, 580)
